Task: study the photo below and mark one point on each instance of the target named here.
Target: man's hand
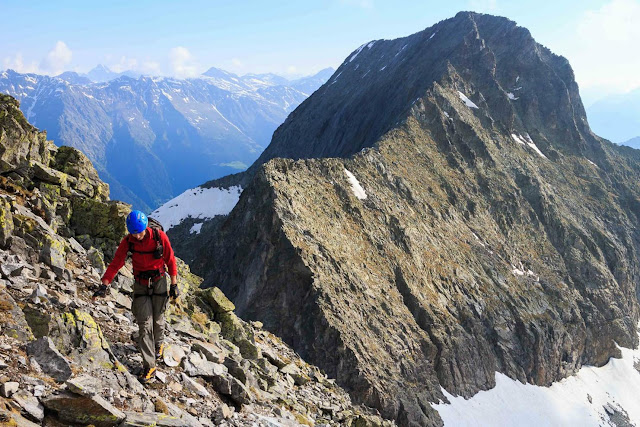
(174, 292)
(101, 292)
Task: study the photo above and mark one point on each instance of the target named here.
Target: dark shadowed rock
(49, 358)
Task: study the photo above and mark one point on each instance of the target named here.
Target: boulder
(217, 300)
(11, 418)
(173, 355)
(198, 366)
(212, 352)
(30, 405)
(232, 328)
(53, 253)
(136, 419)
(295, 373)
(232, 387)
(84, 385)
(9, 388)
(49, 358)
(73, 162)
(96, 258)
(85, 410)
(190, 384)
(12, 319)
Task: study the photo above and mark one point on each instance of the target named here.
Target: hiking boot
(147, 375)
(160, 351)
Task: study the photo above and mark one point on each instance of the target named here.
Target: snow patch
(358, 191)
(528, 142)
(196, 228)
(433, 35)
(357, 52)
(199, 203)
(466, 100)
(512, 96)
(370, 45)
(585, 399)
(400, 51)
(382, 69)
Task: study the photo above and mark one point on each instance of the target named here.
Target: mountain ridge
(497, 232)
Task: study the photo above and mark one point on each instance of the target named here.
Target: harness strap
(161, 294)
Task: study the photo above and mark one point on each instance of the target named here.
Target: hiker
(150, 253)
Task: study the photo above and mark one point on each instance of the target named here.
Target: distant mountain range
(616, 117)
(633, 142)
(151, 138)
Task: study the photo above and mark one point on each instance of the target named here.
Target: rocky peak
(518, 85)
(443, 212)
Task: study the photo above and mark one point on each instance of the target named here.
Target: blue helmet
(137, 222)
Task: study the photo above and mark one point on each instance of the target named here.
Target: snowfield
(604, 396)
(200, 203)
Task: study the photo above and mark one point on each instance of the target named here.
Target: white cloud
(237, 63)
(182, 63)
(124, 64)
(150, 68)
(16, 63)
(292, 69)
(603, 47)
(56, 59)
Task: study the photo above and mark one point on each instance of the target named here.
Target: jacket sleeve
(118, 260)
(167, 254)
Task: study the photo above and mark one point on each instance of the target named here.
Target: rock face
(65, 360)
(474, 223)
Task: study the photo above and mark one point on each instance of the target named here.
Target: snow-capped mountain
(101, 74)
(153, 138)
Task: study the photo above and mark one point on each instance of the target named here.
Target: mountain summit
(437, 212)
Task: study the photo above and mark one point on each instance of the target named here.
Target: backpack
(154, 225)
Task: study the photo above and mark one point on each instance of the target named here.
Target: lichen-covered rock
(73, 162)
(233, 329)
(12, 319)
(53, 253)
(99, 220)
(217, 300)
(6, 222)
(20, 142)
(85, 410)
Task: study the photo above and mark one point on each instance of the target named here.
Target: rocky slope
(472, 224)
(153, 138)
(67, 361)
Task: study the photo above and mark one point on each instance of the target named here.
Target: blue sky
(296, 37)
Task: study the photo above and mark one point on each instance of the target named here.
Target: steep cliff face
(492, 230)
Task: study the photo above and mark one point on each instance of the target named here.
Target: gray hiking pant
(149, 313)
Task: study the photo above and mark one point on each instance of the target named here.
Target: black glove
(173, 291)
(101, 292)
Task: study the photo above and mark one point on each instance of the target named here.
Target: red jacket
(143, 262)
